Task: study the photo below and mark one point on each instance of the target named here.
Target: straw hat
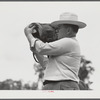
(69, 18)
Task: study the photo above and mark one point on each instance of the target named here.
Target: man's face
(62, 31)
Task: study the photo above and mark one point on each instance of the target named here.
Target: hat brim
(78, 23)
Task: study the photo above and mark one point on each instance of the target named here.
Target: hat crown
(69, 16)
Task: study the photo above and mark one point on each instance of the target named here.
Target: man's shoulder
(69, 40)
(65, 39)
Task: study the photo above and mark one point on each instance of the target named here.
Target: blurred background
(16, 60)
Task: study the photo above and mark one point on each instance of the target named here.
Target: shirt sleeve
(54, 48)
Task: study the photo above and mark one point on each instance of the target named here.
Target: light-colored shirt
(64, 59)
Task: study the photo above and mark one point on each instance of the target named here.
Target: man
(63, 64)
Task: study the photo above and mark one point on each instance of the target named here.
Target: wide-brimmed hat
(69, 18)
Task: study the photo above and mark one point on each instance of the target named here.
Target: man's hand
(29, 29)
(28, 32)
(39, 28)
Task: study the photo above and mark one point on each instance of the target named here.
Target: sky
(16, 61)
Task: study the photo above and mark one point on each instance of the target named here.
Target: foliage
(10, 84)
(85, 71)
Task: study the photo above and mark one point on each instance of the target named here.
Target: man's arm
(28, 33)
(42, 60)
(58, 47)
(32, 41)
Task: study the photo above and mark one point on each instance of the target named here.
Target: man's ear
(69, 30)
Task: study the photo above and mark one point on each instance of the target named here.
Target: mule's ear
(52, 26)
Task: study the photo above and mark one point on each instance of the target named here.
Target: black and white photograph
(49, 49)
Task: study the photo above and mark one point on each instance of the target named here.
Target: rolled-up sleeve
(54, 48)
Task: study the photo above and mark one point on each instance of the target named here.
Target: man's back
(64, 66)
